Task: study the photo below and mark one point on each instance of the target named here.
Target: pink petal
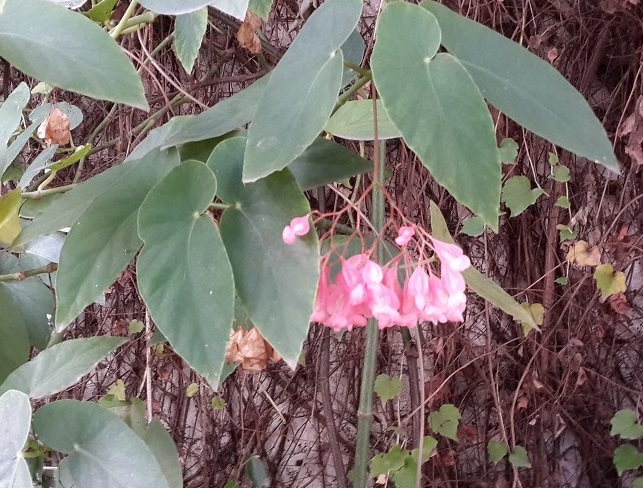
(288, 235)
(404, 235)
(300, 225)
(451, 255)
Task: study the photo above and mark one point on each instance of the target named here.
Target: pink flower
(451, 255)
(299, 226)
(404, 235)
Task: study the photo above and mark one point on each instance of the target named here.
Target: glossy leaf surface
(184, 274)
(60, 366)
(104, 239)
(302, 90)
(437, 107)
(102, 450)
(275, 282)
(61, 47)
(525, 87)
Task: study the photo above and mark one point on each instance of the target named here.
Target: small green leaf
(638, 483)
(627, 457)
(260, 7)
(537, 312)
(189, 30)
(497, 450)
(231, 484)
(117, 390)
(608, 281)
(135, 326)
(473, 226)
(102, 11)
(429, 444)
(388, 462)
(387, 387)
(563, 202)
(560, 173)
(60, 366)
(519, 458)
(191, 390)
(508, 151)
(256, 471)
(517, 194)
(9, 216)
(405, 477)
(355, 121)
(445, 421)
(625, 424)
(561, 280)
(77, 155)
(553, 159)
(301, 92)
(56, 45)
(102, 450)
(217, 403)
(15, 420)
(566, 233)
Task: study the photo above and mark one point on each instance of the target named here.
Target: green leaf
(260, 7)
(30, 299)
(61, 366)
(301, 92)
(117, 390)
(537, 312)
(563, 202)
(9, 216)
(189, 30)
(53, 44)
(473, 226)
(102, 450)
(627, 457)
(231, 7)
(14, 346)
(508, 151)
(387, 462)
(608, 281)
(227, 115)
(184, 274)
(638, 483)
(387, 387)
(561, 280)
(437, 107)
(231, 484)
(479, 283)
(566, 233)
(217, 403)
(104, 240)
(191, 390)
(135, 327)
(428, 445)
(256, 471)
(625, 423)
(10, 117)
(405, 477)
(275, 282)
(77, 155)
(524, 87)
(15, 421)
(326, 162)
(517, 194)
(445, 421)
(560, 173)
(102, 11)
(497, 450)
(353, 50)
(519, 458)
(355, 121)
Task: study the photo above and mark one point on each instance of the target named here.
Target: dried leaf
(619, 304)
(580, 255)
(522, 403)
(247, 34)
(552, 54)
(632, 129)
(55, 128)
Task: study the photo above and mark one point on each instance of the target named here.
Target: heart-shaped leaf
(60, 366)
(102, 450)
(517, 194)
(437, 107)
(302, 90)
(275, 282)
(184, 274)
(104, 239)
(15, 420)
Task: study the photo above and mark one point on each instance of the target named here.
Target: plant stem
(37, 195)
(23, 275)
(116, 31)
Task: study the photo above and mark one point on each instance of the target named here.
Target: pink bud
(299, 226)
(404, 235)
(451, 255)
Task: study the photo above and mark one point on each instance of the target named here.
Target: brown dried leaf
(619, 304)
(580, 255)
(55, 128)
(522, 403)
(247, 34)
(552, 54)
(467, 433)
(435, 392)
(232, 354)
(633, 128)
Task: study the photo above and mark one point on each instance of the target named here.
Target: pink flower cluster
(363, 289)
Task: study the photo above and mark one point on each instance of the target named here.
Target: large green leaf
(301, 92)
(184, 274)
(14, 346)
(525, 87)
(437, 107)
(275, 282)
(66, 49)
(189, 30)
(60, 366)
(30, 299)
(10, 117)
(478, 282)
(104, 240)
(15, 420)
(355, 120)
(235, 8)
(227, 115)
(103, 450)
(325, 162)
